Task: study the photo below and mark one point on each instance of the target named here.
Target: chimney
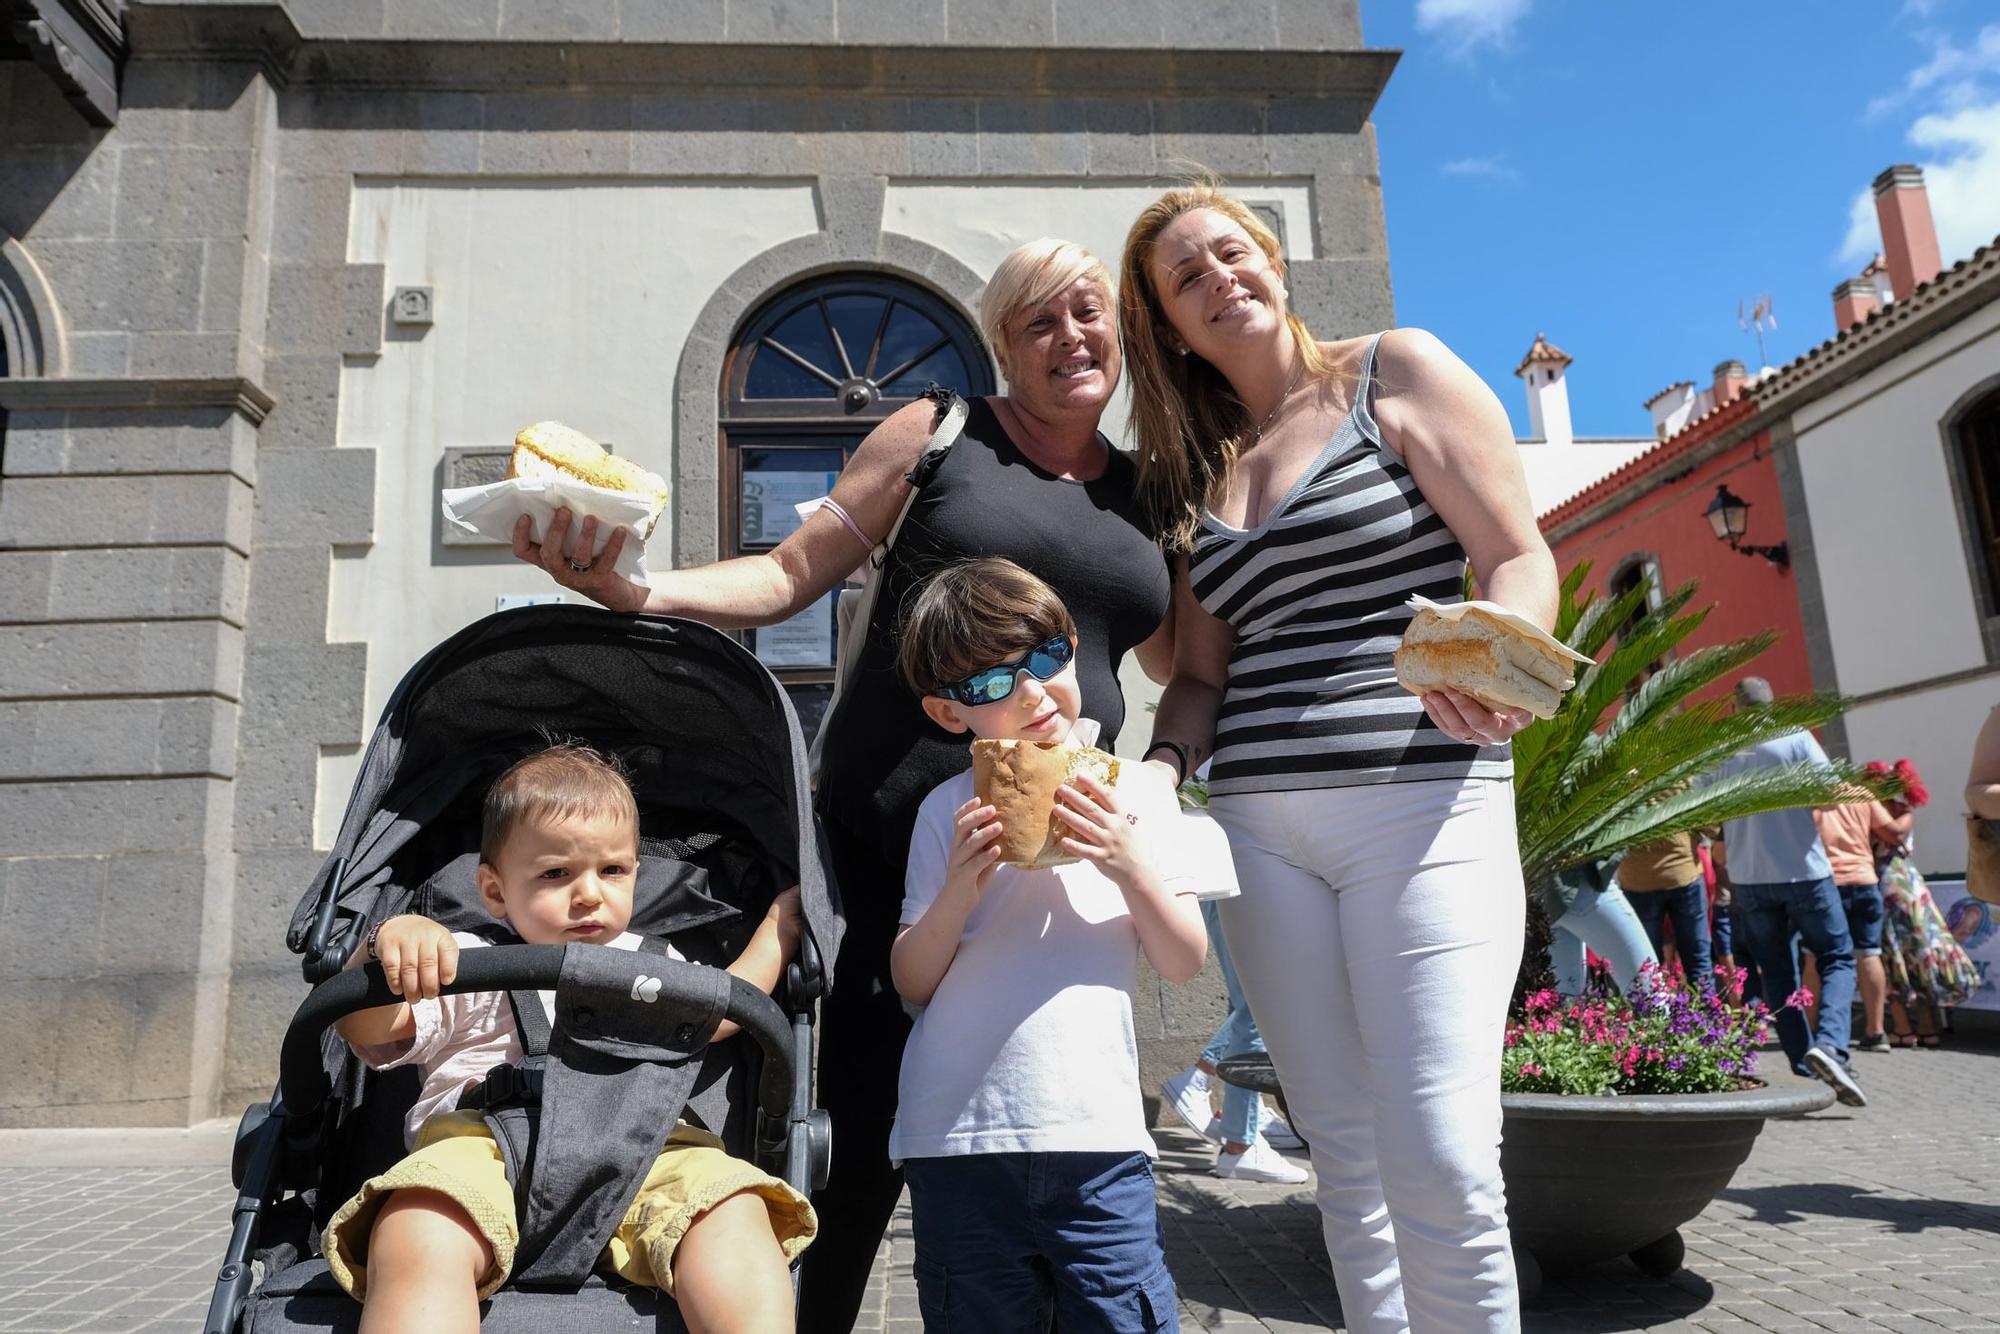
(1548, 395)
(1729, 381)
(1672, 408)
(1909, 238)
(1854, 301)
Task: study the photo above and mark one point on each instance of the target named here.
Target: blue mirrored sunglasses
(996, 683)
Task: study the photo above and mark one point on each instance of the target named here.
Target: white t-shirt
(1027, 1045)
(460, 1037)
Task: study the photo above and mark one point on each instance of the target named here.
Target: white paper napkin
(491, 510)
(1453, 611)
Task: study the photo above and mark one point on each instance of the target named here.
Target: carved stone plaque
(473, 465)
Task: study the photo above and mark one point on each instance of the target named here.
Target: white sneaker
(1259, 1162)
(1214, 1132)
(1280, 1133)
(1187, 1094)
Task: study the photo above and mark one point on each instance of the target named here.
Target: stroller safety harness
(580, 1119)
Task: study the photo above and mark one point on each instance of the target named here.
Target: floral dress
(1924, 961)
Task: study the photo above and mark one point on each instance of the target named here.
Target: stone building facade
(259, 292)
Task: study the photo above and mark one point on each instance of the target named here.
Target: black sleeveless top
(1089, 541)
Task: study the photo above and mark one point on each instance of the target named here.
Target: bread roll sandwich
(550, 449)
(1481, 655)
(1018, 779)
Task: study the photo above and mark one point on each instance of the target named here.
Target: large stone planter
(1590, 1178)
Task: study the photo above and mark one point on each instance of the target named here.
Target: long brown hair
(1187, 419)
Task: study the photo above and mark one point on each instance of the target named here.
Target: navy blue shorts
(1007, 1240)
(1863, 904)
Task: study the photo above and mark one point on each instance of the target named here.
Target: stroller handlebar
(685, 996)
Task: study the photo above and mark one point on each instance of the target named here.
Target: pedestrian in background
(1663, 882)
(1783, 884)
(1850, 833)
(1247, 1144)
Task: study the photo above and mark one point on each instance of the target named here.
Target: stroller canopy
(708, 736)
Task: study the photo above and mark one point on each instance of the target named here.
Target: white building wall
(1935, 729)
(571, 300)
(1901, 607)
(552, 299)
(1900, 602)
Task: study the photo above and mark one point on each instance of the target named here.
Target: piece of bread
(550, 449)
(1018, 779)
(1484, 657)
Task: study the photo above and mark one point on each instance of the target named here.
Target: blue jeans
(1769, 916)
(1862, 902)
(1005, 1241)
(1688, 909)
(1236, 1036)
(1604, 921)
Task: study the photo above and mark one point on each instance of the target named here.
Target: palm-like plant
(1587, 789)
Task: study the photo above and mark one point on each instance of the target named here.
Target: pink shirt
(459, 1038)
(1844, 831)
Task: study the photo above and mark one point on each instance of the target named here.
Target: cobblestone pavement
(1888, 1218)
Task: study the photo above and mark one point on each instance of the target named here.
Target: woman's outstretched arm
(765, 588)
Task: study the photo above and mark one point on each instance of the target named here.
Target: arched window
(1975, 439)
(812, 371)
(1636, 569)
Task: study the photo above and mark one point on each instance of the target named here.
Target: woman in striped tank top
(1305, 490)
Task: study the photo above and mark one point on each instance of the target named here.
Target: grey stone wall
(126, 513)
(171, 502)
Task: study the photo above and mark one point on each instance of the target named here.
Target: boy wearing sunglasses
(1019, 1126)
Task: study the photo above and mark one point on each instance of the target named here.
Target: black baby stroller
(726, 824)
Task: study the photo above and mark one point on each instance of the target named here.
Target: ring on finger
(581, 567)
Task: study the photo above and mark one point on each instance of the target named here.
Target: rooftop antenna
(1762, 315)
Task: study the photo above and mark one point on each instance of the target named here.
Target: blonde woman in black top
(1305, 490)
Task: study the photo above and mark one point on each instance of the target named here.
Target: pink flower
(1799, 999)
(1530, 1068)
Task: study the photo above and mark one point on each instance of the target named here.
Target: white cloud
(1951, 75)
(1484, 168)
(1954, 97)
(1964, 184)
(1961, 176)
(1464, 25)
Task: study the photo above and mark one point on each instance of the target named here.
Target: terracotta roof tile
(1980, 266)
(1543, 350)
(1678, 384)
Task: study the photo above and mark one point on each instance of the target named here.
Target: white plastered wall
(568, 300)
(1934, 728)
(1901, 608)
(1900, 604)
(571, 300)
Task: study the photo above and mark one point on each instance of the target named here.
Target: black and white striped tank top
(1316, 596)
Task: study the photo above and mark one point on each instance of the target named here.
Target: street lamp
(1728, 514)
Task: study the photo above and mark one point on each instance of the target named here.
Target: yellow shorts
(456, 1156)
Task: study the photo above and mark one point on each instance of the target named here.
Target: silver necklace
(1297, 375)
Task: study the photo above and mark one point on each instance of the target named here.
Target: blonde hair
(1186, 418)
(565, 782)
(974, 615)
(1030, 275)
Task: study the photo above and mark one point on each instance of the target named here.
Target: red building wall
(1667, 523)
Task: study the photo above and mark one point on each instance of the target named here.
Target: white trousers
(1377, 939)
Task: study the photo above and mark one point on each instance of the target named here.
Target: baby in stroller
(424, 1242)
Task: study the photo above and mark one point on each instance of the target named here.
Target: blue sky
(1621, 175)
